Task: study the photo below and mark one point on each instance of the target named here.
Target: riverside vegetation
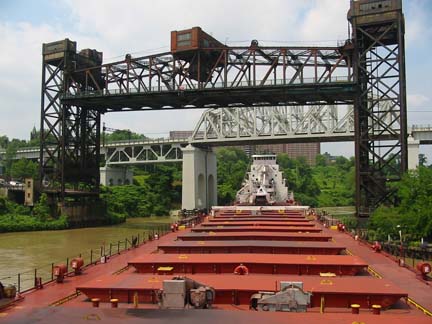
(156, 190)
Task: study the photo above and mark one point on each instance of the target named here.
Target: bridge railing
(146, 142)
(425, 127)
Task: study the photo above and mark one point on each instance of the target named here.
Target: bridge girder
(240, 76)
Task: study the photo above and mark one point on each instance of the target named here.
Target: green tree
(23, 169)
(299, 176)
(320, 160)
(414, 214)
(4, 141)
(122, 135)
(232, 164)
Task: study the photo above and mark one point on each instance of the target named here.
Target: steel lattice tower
(379, 68)
(70, 135)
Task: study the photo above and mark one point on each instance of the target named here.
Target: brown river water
(23, 252)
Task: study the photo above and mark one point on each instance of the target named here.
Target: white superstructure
(264, 183)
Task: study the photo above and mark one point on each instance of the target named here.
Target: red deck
(236, 246)
(258, 223)
(286, 216)
(233, 292)
(259, 219)
(222, 228)
(256, 263)
(268, 236)
(232, 289)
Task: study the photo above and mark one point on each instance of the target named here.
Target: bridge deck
(336, 92)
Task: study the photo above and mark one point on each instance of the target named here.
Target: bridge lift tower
(70, 135)
(368, 71)
(381, 151)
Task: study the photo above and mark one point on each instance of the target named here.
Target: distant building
(294, 150)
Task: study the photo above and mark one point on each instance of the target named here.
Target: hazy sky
(143, 27)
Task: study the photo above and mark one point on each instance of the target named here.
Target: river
(22, 252)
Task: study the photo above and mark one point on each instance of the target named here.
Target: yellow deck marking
(374, 273)
(418, 306)
(65, 299)
(326, 282)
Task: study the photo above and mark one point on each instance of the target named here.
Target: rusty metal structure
(379, 60)
(70, 134)
(200, 72)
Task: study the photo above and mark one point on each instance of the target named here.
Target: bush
(41, 209)
(21, 223)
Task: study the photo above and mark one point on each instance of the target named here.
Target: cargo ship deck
(331, 265)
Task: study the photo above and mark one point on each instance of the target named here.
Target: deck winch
(77, 264)
(60, 271)
(424, 268)
(291, 298)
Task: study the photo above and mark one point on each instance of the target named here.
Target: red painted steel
(269, 236)
(257, 263)
(222, 228)
(236, 246)
(237, 290)
(258, 218)
(258, 223)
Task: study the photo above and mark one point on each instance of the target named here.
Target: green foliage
(299, 176)
(20, 223)
(24, 169)
(18, 218)
(41, 210)
(154, 192)
(3, 205)
(231, 169)
(122, 135)
(9, 207)
(4, 141)
(414, 214)
(336, 181)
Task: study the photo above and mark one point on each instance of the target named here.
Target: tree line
(156, 189)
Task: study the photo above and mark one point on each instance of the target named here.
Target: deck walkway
(406, 279)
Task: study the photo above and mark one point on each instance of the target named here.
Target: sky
(142, 27)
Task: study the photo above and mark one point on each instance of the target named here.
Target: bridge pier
(199, 178)
(413, 153)
(117, 176)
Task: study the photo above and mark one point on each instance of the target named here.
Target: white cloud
(128, 26)
(416, 100)
(418, 28)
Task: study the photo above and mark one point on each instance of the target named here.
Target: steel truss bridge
(163, 150)
(368, 70)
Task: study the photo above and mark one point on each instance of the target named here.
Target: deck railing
(25, 281)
